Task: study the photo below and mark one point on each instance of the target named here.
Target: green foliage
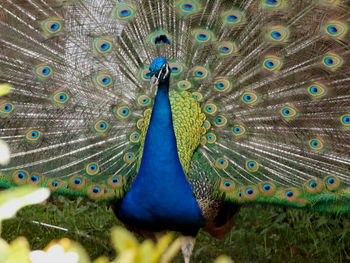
(263, 233)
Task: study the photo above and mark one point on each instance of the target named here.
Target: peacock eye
(184, 85)
(102, 79)
(250, 98)
(317, 90)
(129, 157)
(197, 96)
(221, 163)
(123, 12)
(210, 108)
(345, 120)
(123, 112)
(272, 63)
(60, 97)
(6, 108)
(203, 36)
(222, 85)
(211, 138)
(252, 166)
(102, 45)
(288, 113)
(134, 137)
(335, 29)
(101, 126)
(43, 71)
(20, 176)
(272, 3)
(200, 73)
(220, 121)
(278, 34)
(332, 61)
(32, 135)
(238, 130)
(233, 18)
(92, 168)
(51, 26)
(316, 144)
(144, 100)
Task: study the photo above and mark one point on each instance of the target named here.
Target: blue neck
(161, 197)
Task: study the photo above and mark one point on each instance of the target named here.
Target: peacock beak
(163, 74)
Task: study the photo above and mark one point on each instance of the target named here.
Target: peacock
(179, 112)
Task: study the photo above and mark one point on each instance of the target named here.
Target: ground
(263, 233)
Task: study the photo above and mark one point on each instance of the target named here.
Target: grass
(263, 233)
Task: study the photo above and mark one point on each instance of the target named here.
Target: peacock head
(160, 70)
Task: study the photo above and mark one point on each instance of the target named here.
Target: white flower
(4, 153)
(54, 254)
(14, 199)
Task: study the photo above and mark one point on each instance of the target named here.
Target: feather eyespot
(278, 34)
(115, 181)
(316, 144)
(123, 112)
(233, 17)
(134, 137)
(102, 79)
(92, 168)
(95, 191)
(206, 125)
(267, 188)
(211, 138)
(200, 73)
(288, 113)
(20, 177)
(184, 85)
(146, 75)
(33, 135)
(250, 98)
(101, 126)
(5, 108)
(332, 182)
(203, 140)
(34, 179)
(188, 7)
(332, 61)
(313, 186)
(238, 130)
(252, 166)
(345, 120)
(210, 108)
(197, 96)
(220, 121)
(176, 68)
(43, 71)
(317, 90)
(226, 48)
(123, 12)
(102, 45)
(291, 195)
(60, 97)
(272, 63)
(55, 184)
(203, 36)
(335, 29)
(51, 26)
(77, 182)
(250, 192)
(227, 185)
(129, 157)
(222, 85)
(272, 3)
(221, 163)
(144, 100)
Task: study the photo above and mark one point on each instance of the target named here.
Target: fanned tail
(272, 78)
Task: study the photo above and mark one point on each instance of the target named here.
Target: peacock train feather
(179, 111)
